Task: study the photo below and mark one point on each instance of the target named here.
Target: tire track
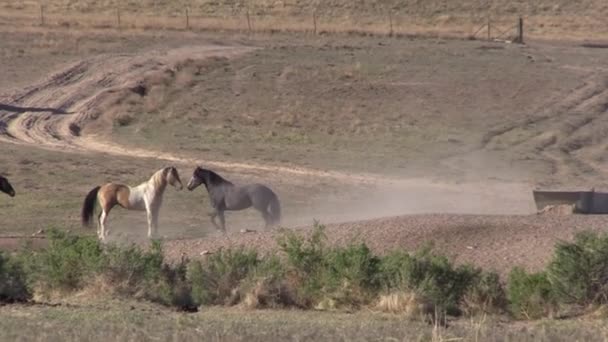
(564, 129)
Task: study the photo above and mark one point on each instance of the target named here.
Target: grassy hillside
(551, 19)
(334, 8)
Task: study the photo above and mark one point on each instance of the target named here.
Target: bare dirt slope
(81, 92)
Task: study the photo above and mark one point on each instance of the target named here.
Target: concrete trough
(585, 202)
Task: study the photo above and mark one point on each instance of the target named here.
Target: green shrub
(169, 286)
(530, 295)
(350, 275)
(578, 271)
(217, 279)
(13, 287)
(66, 264)
(305, 264)
(266, 285)
(195, 275)
(306, 256)
(131, 268)
(432, 277)
(71, 263)
(134, 272)
(485, 295)
(394, 271)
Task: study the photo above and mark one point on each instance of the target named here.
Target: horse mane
(213, 178)
(159, 179)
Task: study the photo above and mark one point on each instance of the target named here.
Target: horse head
(6, 187)
(197, 178)
(172, 177)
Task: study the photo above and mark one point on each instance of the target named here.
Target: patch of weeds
(351, 275)
(266, 286)
(530, 295)
(216, 280)
(486, 295)
(65, 265)
(13, 286)
(578, 271)
(305, 263)
(430, 276)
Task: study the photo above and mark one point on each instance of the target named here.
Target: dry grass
(109, 319)
(267, 294)
(410, 304)
(377, 23)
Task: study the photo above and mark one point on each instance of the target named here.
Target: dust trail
(418, 196)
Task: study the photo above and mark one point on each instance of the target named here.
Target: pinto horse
(225, 195)
(6, 187)
(147, 196)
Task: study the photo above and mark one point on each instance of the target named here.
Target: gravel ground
(494, 242)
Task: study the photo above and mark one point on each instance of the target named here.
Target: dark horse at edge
(225, 195)
(6, 187)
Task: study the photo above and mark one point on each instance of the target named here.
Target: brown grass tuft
(269, 293)
(410, 304)
(104, 285)
(600, 312)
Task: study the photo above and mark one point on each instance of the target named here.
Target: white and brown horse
(147, 196)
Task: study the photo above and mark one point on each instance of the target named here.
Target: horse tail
(88, 207)
(274, 209)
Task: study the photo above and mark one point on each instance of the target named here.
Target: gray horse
(6, 187)
(224, 195)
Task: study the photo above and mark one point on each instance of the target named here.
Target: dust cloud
(417, 196)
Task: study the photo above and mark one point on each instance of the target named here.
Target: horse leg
(155, 220)
(266, 217)
(220, 214)
(99, 224)
(153, 210)
(102, 223)
(149, 213)
(212, 217)
(106, 206)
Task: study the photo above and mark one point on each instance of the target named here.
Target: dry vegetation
(92, 283)
(557, 19)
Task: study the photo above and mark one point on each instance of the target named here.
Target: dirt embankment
(492, 242)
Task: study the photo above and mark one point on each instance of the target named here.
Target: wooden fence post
(390, 21)
(248, 21)
(187, 19)
(520, 30)
(489, 35)
(41, 15)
